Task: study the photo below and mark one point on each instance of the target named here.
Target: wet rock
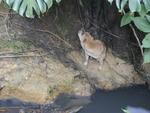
(147, 67)
(71, 103)
(82, 88)
(115, 72)
(38, 79)
(147, 70)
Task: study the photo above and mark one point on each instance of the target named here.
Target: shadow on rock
(64, 103)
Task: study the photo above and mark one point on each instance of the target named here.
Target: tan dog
(92, 48)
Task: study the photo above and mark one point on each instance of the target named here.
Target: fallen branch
(7, 13)
(46, 31)
(18, 56)
(111, 34)
(134, 32)
(11, 52)
(49, 32)
(137, 38)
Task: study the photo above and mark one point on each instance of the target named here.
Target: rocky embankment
(42, 78)
(33, 66)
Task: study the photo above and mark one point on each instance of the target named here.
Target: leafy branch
(30, 8)
(138, 12)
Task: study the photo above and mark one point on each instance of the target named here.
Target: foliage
(138, 12)
(30, 8)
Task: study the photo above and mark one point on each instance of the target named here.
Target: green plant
(138, 12)
(30, 8)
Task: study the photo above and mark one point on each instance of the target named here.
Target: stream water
(101, 102)
(115, 101)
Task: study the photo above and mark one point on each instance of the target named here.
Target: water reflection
(102, 102)
(113, 101)
(63, 103)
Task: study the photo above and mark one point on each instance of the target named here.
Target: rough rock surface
(38, 79)
(115, 72)
(147, 70)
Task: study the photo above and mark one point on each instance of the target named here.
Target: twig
(107, 32)
(11, 52)
(7, 31)
(46, 31)
(80, 15)
(137, 38)
(49, 32)
(17, 56)
(5, 13)
(134, 32)
(114, 35)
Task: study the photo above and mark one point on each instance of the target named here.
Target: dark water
(113, 101)
(102, 102)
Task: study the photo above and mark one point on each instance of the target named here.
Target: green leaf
(142, 24)
(42, 5)
(22, 8)
(58, 1)
(146, 56)
(143, 11)
(126, 19)
(148, 18)
(10, 2)
(16, 5)
(147, 4)
(134, 5)
(81, 3)
(110, 1)
(118, 4)
(28, 7)
(49, 3)
(146, 41)
(32, 5)
(123, 3)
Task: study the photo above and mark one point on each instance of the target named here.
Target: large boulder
(115, 72)
(39, 79)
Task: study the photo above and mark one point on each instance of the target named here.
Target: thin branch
(7, 31)
(134, 32)
(137, 38)
(5, 13)
(49, 32)
(107, 32)
(99, 27)
(18, 56)
(11, 52)
(80, 15)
